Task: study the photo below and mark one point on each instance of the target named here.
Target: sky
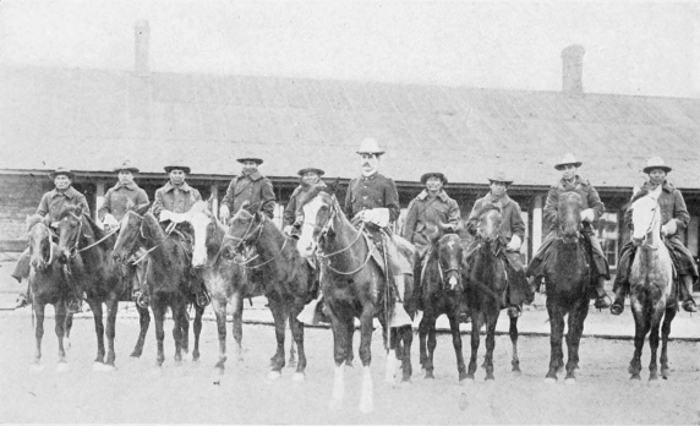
(632, 47)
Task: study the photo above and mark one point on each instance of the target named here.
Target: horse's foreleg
(457, 344)
(298, 335)
(184, 322)
(178, 306)
(665, 331)
(96, 307)
(197, 328)
(38, 329)
(280, 316)
(349, 354)
(219, 306)
(513, 332)
(112, 304)
(158, 308)
(654, 342)
(491, 321)
(237, 323)
(405, 340)
(144, 321)
(60, 328)
(556, 327)
(366, 328)
(340, 336)
(476, 329)
(640, 330)
(573, 338)
(422, 341)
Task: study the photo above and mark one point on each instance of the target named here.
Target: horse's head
(449, 258)
(244, 230)
(569, 216)
(646, 219)
(70, 228)
(208, 232)
(42, 250)
(319, 207)
(489, 225)
(130, 233)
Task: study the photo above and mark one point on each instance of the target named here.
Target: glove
(378, 216)
(514, 244)
(588, 215)
(110, 221)
(670, 228)
(298, 221)
(288, 229)
(224, 213)
(165, 215)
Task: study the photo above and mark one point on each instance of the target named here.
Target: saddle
(399, 251)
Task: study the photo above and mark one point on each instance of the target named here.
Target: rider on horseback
(171, 200)
(293, 216)
(431, 210)
(674, 217)
(373, 199)
(592, 208)
(51, 205)
(512, 234)
(120, 198)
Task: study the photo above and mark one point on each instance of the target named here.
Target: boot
(602, 300)
(74, 305)
(686, 294)
(619, 304)
(399, 316)
(22, 300)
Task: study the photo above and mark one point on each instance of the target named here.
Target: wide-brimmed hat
(656, 163)
(61, 171)
(424, 178)
(177, 165)
(500, 177)
(256, 160)
(126, 165)
(316, 170)
(568, 159)
(370, 146)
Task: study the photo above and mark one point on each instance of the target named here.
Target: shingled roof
(92, 119)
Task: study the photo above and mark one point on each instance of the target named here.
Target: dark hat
(318, 171)
(568, 159)
(500, 177)
(126, 165)
(438, 175)
(259, 161)
(656, 163)
(61, 171)
(177, 165)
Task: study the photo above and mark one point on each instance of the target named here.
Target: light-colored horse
(651, 286)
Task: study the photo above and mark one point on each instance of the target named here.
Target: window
(608, 233)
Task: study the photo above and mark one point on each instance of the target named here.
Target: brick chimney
(572, 69)
(142, 33)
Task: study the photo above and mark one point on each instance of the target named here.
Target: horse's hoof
(273, 375)
(66, 343)
(635, 377)
(462, 375)
(429, 374)
(100, 367)
(570, 381)
(550, 380)
(195, 357)
(467, 381)
(490, 378)
(516, 371)
(135, 354)
(653, 377)
(298, 377)
(665, 374)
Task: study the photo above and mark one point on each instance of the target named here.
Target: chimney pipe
(572, 69)
(142, 32)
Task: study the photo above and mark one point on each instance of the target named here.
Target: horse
(167, 277)
(442, 293)
(86, 253)
(354, 286)
(47, 286)
(290, 282)
(486, 289)
(224, 279)
(568, 277)
(652, 296)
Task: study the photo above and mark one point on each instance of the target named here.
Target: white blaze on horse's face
(644, 212)
(310, 227)
(199, 219)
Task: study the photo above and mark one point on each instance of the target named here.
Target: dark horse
(487, 281)
(442, 293)
(168, 276)
(87, 255)
(568, 277)
(47, 286)
(224, 279)
(288, 280)
(652, 294)
(354, 286)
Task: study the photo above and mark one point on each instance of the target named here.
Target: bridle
(49, 234)
(650, 229)
(251, 236)
(142, 235)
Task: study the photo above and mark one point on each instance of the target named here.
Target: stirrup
(689, 305)
(202, 299)
(140, 299)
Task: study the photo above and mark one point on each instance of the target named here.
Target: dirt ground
(139, 392)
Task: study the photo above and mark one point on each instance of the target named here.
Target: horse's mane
(488, 207)
(32, 220)
(75, 209)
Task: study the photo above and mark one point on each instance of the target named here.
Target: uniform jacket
(588, 194)
(290, 211)
(177, 200)
(118, 198)
(424, 210)
(54, 201)
(671, 203)
(253, 188)
(512, 220)
(369, 192)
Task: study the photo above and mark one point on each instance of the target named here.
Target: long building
(90, 120)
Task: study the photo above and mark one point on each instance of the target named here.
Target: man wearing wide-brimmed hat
(309, 176)
(50, 206)
(512, 234)
(251, 187)
(373, 199)
(674, 218)
(124, 195)
(592, 209)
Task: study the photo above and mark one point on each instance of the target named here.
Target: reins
(242, 242)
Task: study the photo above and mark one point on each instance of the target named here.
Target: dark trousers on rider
(601, 270)
(21, 272)
(683, 263)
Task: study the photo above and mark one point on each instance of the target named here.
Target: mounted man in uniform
(512, 234)
(251, 188)
(674, 218)
(591, 210)
(123, 196)
(293, 216)
(372, 199)
(51, 205)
